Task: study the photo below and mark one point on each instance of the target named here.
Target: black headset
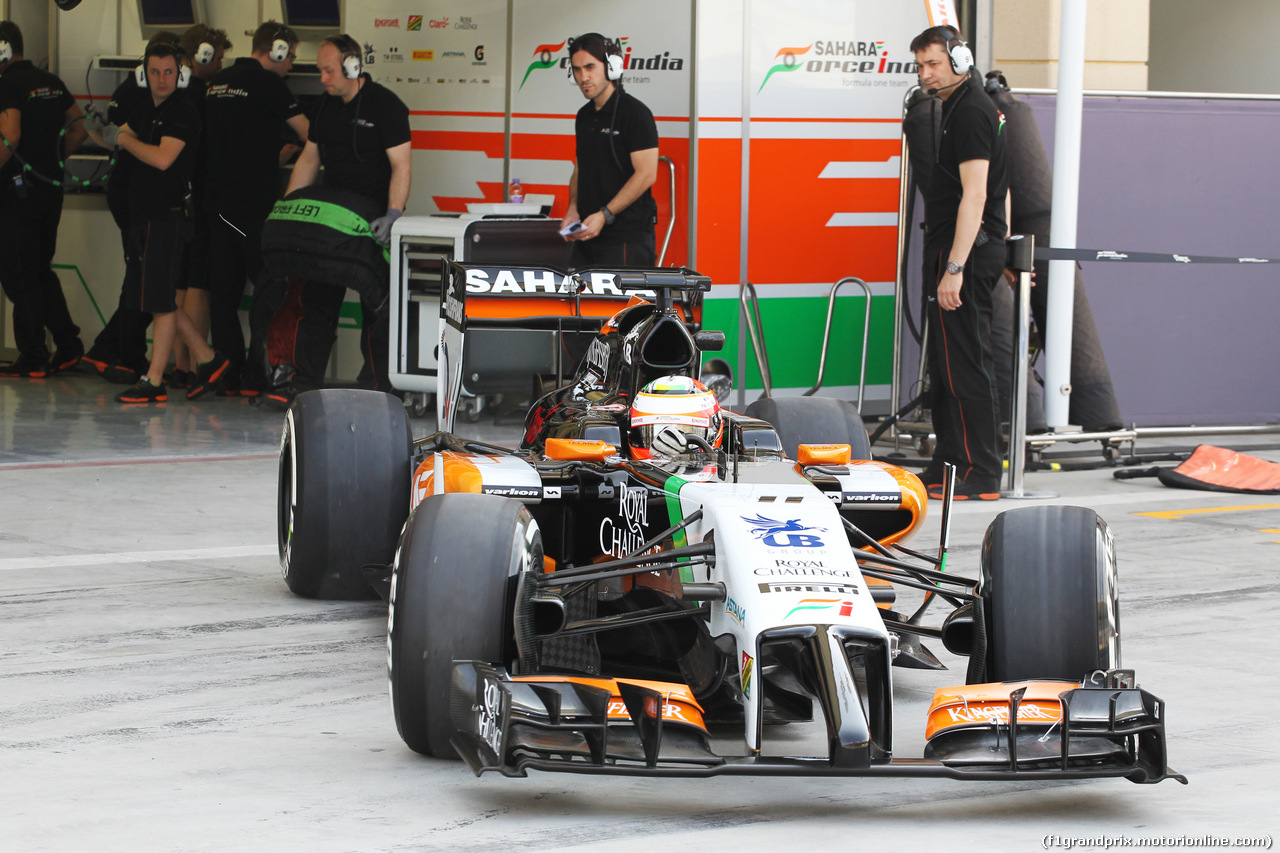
(163, 49)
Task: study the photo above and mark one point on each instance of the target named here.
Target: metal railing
(750, 302)
(826, 336)
(671, 226)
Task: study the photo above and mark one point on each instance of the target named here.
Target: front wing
(576, 725)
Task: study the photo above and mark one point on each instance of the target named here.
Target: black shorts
(195, 264)
(160, 245)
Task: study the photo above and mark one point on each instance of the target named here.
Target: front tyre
(452, 598)
(1050, 596)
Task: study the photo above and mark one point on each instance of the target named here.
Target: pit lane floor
(160, 689)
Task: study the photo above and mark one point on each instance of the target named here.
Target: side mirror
(709, 341)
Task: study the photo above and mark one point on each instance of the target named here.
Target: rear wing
(546, 299)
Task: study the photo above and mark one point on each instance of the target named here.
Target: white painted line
(861, 220)
(19, 563)
(890, 168)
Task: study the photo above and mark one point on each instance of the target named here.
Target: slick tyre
(814, 420)
(343, 489)
(452, 598)
(1049, 595)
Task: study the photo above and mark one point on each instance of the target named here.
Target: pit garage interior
(161, 689)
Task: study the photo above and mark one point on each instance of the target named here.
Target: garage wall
(1186, 344)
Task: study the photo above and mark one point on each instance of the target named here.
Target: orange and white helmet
(668, 412)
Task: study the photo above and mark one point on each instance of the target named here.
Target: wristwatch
(953, 268)
(607, 214)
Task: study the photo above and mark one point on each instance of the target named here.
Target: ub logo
(784, 534)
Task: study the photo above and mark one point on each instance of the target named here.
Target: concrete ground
(160, 688)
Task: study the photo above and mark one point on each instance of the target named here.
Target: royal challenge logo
(857, 61)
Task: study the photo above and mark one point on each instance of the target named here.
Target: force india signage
(841, 57)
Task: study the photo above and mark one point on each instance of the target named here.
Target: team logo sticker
(784, 534)
(822, 604)
(748, 665)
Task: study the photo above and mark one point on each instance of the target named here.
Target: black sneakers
(65, 359)
(144, 392)
(27, 366)
(966, 491)
(207, 376)
(280, 398)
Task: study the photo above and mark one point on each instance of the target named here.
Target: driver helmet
(669, 410)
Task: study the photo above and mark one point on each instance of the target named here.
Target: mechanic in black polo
(204, 48)
(248, 111)
(119, 352)
(360, 135)
(162, 135)
(617, 163)
(37, 108)
(965, 217)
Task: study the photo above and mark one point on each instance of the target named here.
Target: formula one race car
(648, 571)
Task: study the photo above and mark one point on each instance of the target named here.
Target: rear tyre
(452, 598)
(814, 420)
(343, 489)
(1050, 596)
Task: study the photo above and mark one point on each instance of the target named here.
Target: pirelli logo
(833, 588)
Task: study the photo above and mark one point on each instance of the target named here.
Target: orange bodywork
(988, 704)
(460, 475)
(915, 499)
(823, 454)
(578, 448)
(482, 307)
(678, 705)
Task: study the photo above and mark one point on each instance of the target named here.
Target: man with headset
(35, 110)
(119, 352)
(205, 48)
(162, 135)
(617, 163)
(360, 135)
(248, 108)
(966, 224)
